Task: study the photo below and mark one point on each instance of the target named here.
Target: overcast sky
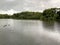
(30, 5)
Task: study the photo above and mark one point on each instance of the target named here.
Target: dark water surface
(28, 32)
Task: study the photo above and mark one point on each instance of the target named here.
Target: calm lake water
(28, 32)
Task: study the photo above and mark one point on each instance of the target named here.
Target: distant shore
(47, 15)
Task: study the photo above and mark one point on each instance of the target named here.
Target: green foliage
(47, 15)
(28, 15)
(4, 16)
(58, 17)
(50, 14)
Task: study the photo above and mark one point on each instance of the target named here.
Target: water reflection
(57, 26)
(10, 22)
(48, 26)
(29, 32)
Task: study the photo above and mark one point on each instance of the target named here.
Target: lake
(29, 32)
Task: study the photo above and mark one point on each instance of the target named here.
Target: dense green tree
(27, 15)
(4, 16)
(50, 14)
(58, 18)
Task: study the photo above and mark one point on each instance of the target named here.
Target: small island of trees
(51, 14)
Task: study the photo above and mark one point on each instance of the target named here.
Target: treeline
(52, 14)
(27, 15)
(4, 16)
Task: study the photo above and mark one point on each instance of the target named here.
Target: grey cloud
(4, 5)
(33, 5)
